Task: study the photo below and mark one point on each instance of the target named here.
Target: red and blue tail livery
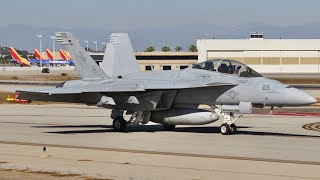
(38, 54)
(22, 61)
(50, 55)
(64, 55)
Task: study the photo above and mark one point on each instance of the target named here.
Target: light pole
(104, 45)
(87, 42)
(40, 37)
(96, 42)
(53, 45)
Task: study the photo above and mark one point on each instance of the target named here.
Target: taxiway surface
(80, 140)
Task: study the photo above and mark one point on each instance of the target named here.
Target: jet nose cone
(310, 100)
(305, 99)
(299, 98)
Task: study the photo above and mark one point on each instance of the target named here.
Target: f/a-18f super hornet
(167, 97)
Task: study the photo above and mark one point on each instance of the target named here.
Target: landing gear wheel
(233, 129)
(225, 129)
(169, 127)
(119, 124)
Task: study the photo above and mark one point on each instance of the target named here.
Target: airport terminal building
(265, 55)
(149, 61)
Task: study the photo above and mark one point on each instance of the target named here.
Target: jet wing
(52, 91)
(183, 85)
(79, 90)
(164, 85)
(220, 84)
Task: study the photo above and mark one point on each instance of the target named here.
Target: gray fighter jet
(167, 97)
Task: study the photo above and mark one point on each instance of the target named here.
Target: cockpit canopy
(228, 67)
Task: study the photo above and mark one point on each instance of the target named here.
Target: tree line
(5, 51)
(191, 48)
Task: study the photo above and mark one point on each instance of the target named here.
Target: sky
(157, 23)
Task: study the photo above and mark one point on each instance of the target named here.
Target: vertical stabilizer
(68, 55)
(22, 61)
(86, 66)
(50, 55)
(38, 54)
(63, 55)
(119, 58)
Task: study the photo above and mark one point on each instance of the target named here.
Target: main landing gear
(169, 127)
(119, 124)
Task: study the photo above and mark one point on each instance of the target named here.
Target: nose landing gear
(228, 127)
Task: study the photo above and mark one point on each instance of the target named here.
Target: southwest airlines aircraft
(50, 55)
(64, 55)
(22, 61)
(38, 54)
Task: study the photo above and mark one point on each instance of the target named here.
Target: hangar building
(288, 54)
(263, 55)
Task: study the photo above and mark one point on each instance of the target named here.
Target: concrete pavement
(80, 140)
